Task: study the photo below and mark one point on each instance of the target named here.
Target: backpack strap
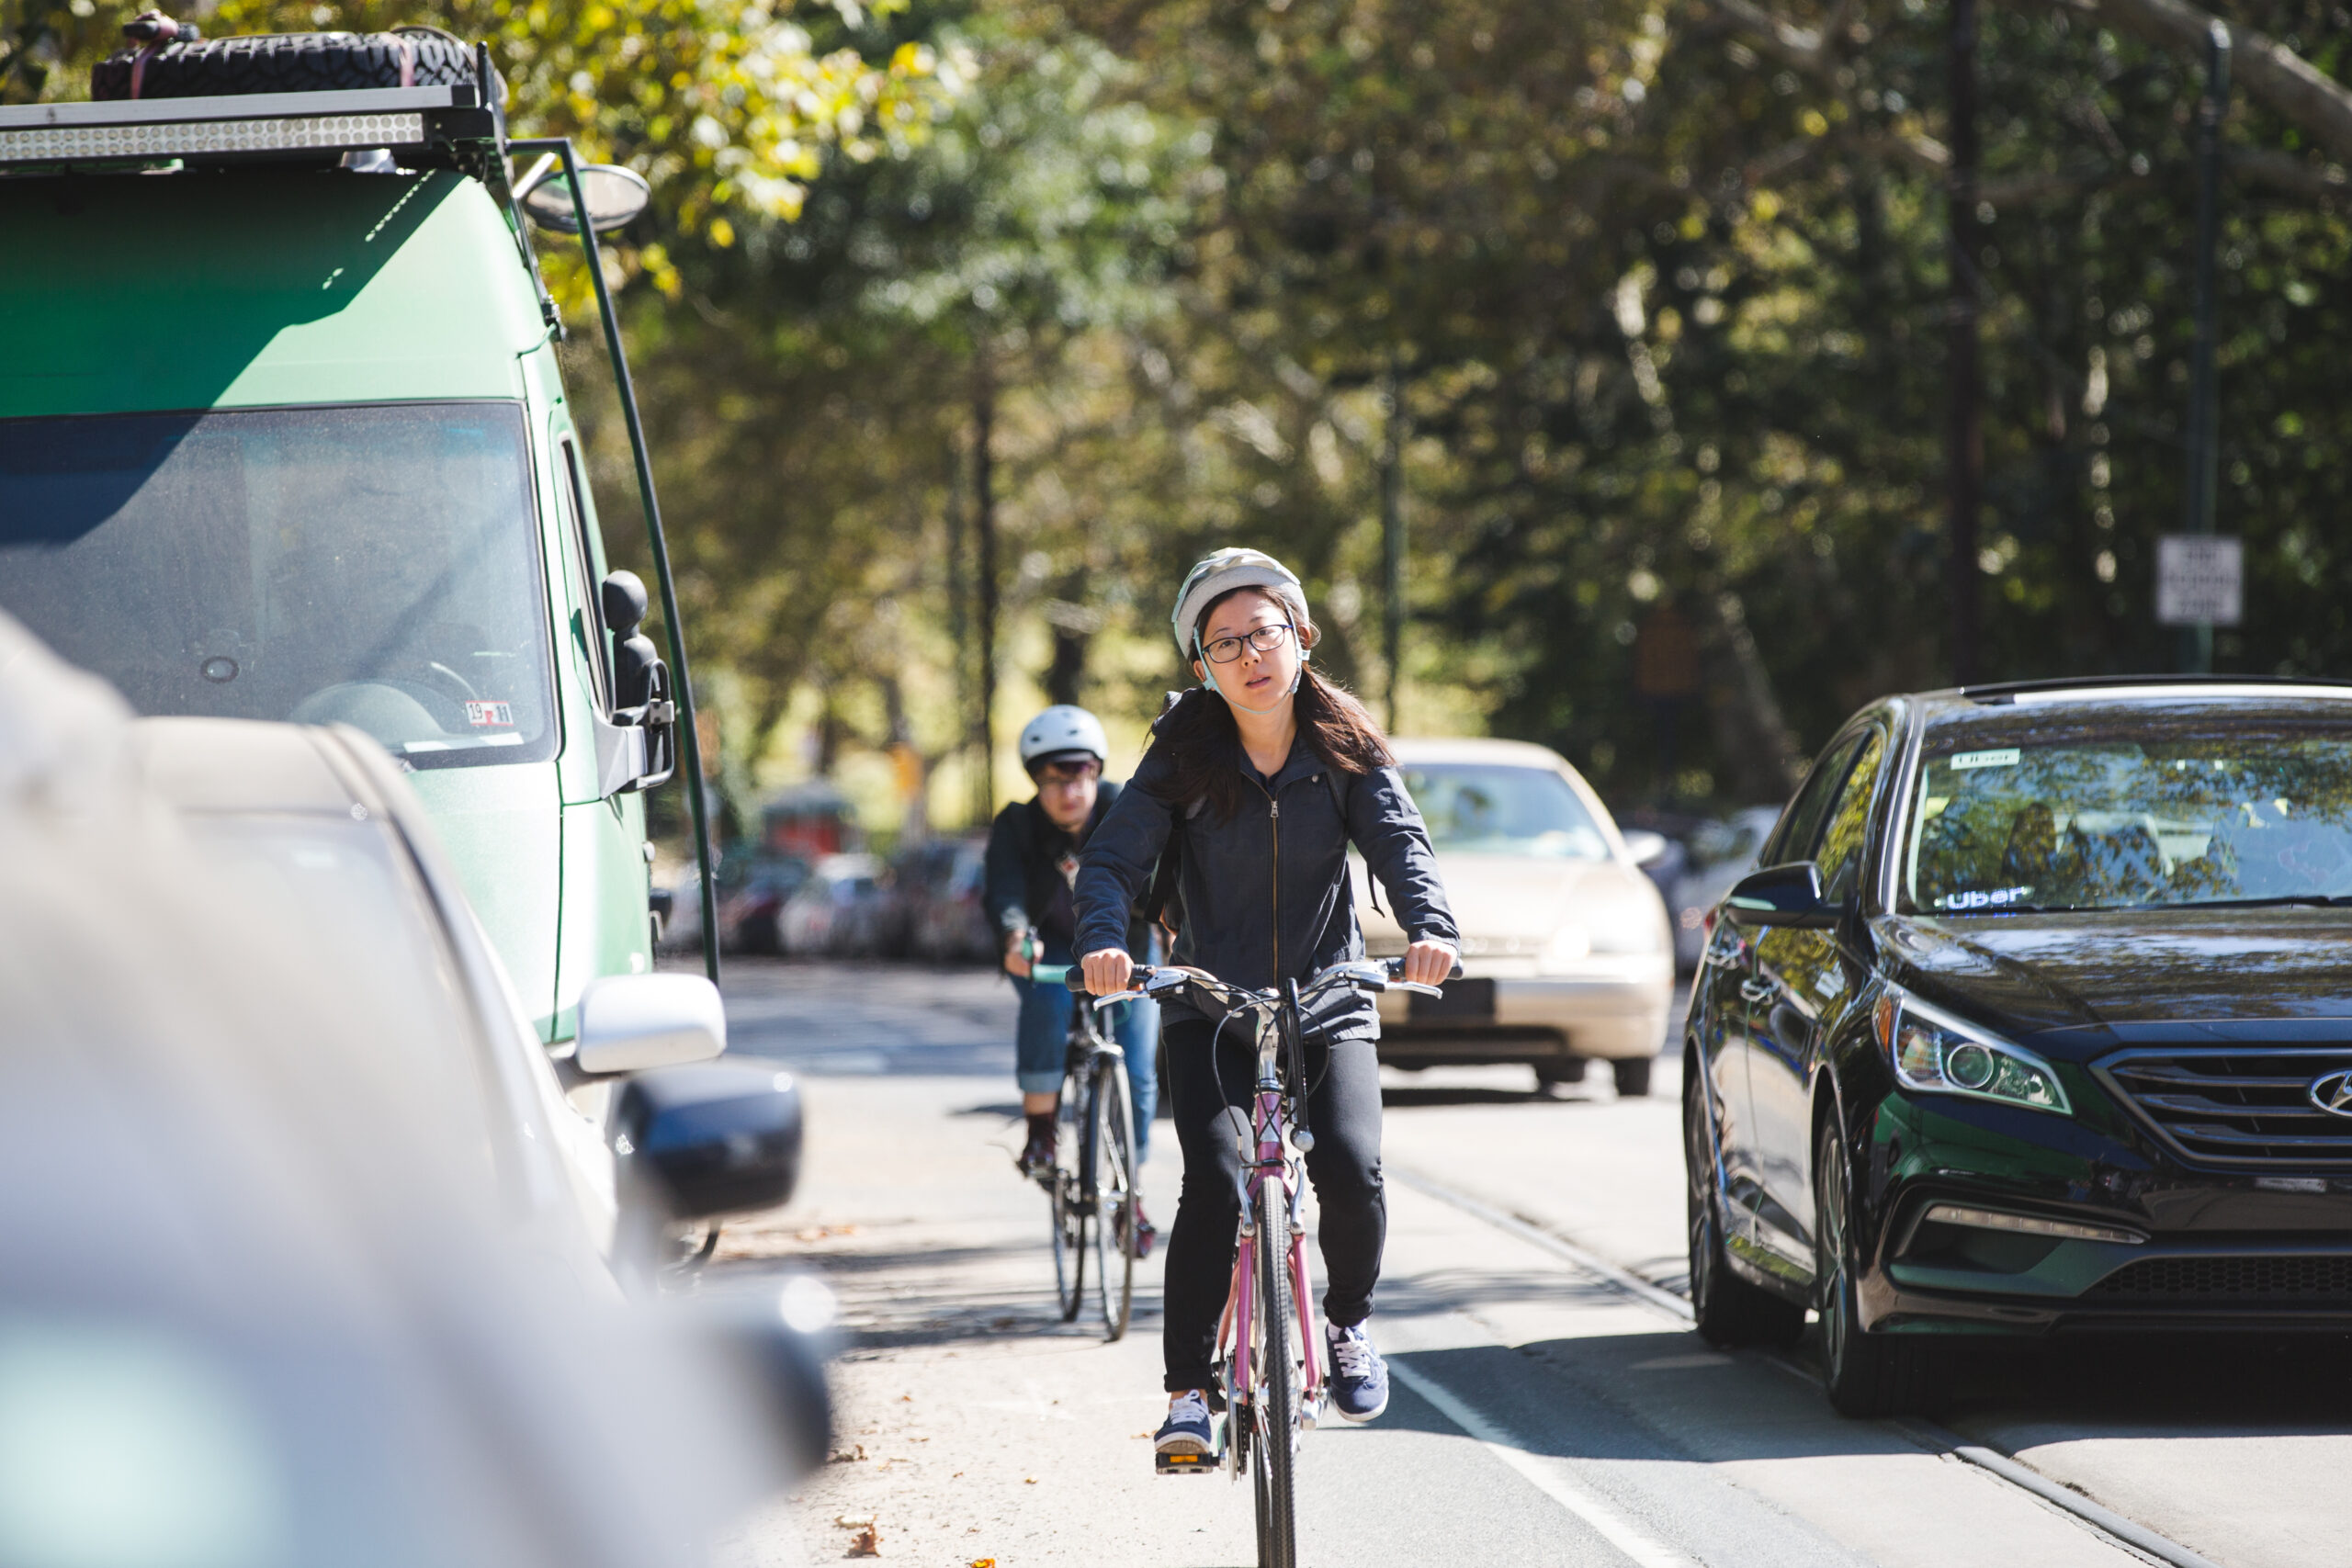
(1163, 897)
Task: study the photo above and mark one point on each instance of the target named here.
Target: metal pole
(690, 737)
(1392, 536)
(984, 516)
(1965, 438)
(2204, 412)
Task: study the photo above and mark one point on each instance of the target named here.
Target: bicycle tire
(1278, 1410)
(1068, 1202)
(1112, 1157)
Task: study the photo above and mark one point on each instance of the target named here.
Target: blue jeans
(1041, 1044)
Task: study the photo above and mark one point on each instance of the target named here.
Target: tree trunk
(984, 520)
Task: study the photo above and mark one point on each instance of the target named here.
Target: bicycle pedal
(1184, 1464)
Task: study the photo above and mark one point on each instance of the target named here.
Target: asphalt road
(1550, 1406)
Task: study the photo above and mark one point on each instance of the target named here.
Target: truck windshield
(373, 566)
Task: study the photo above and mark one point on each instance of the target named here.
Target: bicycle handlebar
(1144, 979)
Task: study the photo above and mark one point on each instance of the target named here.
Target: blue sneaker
(1187, 1439)
(1359, 1377)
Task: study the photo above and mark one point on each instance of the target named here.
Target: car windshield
(372, 566)
(1474, 810)
(2216, 818)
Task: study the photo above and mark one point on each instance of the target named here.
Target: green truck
(282, 436)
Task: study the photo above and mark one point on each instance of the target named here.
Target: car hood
(2027, 973)
(1505, 903)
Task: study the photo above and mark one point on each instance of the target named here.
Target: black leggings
(1343, 1112)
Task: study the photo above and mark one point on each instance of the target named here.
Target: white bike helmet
(1220, 572)
(1063, 734)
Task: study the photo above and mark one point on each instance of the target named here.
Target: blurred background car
(1721, 852)
(840, 912)
(1566, 955)
(941, 883)
(752, 891)
(259, 1297)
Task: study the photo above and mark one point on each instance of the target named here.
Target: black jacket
(1024, 886)
(1266, 896)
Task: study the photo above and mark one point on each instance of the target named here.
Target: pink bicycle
(1269, 1356)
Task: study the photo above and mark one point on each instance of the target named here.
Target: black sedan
(2037, 1020)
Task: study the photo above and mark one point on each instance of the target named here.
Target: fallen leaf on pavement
(854, 1521)
(864, 1543)
(1028, 1481)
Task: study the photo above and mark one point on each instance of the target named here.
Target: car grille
(2219, 1280)
(2236, 1105)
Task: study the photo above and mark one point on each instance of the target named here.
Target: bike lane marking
(1642, 1548)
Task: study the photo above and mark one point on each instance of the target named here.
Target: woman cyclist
(1264, 775)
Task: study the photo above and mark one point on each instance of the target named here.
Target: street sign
(2200, 580)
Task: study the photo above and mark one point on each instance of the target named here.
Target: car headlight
(1938, 1053)
(1569, 946)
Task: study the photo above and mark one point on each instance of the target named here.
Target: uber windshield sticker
(2006, 757)
(1985, 898)
(480, 714)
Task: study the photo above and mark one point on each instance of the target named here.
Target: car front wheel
(1866, 1374)
(1727, 1309)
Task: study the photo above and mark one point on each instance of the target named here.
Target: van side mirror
(641, 698)
(631, 1023)
(1780, 896)
(700, 1142)
(1644, 847)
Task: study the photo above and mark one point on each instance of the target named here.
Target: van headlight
(1935, 1053)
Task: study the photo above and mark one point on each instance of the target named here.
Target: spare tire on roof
(285, 62)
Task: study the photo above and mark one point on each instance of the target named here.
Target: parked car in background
(840, 912)
(1722, 850)
(941, 884)
(1565, 957)
(753, 892)
(2033, 1022)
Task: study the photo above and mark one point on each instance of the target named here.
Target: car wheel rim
(1833, 1322)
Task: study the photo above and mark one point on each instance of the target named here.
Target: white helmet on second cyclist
(1219, 573)
(1063, 734)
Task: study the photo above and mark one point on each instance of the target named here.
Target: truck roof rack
(420, 126)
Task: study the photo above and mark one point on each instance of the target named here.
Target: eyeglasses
(1265, 640)
(1069, 775)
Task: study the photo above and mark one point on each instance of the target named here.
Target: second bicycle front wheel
(1114, 1195)
(1276, 1353)
(1066, 1188)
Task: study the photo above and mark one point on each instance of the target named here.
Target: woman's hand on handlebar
(1428, 963)
(1107, 971)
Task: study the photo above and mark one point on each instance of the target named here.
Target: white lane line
(1645, 1549)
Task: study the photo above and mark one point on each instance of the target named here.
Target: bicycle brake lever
(1116, 998)
(1414, 986)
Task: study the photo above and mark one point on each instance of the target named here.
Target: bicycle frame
(1269, 1158)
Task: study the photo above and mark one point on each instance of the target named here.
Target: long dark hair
(1204, 744)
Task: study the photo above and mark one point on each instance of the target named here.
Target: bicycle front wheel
(1277, 1353)
(1114, 1195)
(1068, 1192)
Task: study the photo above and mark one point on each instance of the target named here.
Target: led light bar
(1993, 1220)
(435, 117)
(324, 132)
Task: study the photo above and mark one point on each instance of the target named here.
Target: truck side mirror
(624, 601)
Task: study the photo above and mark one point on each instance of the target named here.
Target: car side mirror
(631, 1023)
(642, 695)
(1645, 847)
(1781, 896)
(613, 196)
(701, 1142)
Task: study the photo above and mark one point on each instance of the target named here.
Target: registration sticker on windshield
(482, 714)
(2005, 758)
